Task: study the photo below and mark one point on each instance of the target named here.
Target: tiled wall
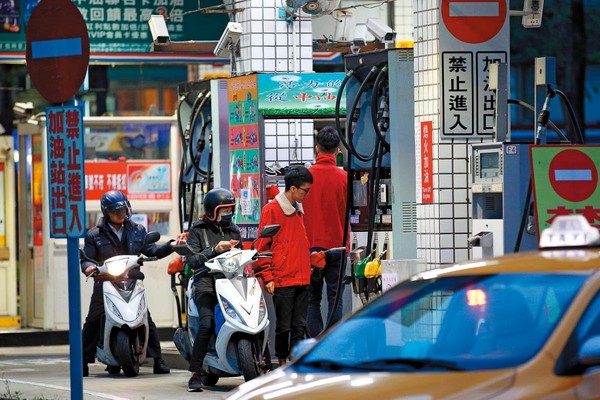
(272, 44)
(403, 20)
(442, 226)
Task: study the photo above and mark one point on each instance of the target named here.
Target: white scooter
(242, 323)
(125, 337)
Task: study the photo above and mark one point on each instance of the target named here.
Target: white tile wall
(441, 238)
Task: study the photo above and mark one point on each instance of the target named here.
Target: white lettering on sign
(474, 9)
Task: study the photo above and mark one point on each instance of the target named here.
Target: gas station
(436, 175)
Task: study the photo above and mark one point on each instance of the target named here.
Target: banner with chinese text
(300, 95)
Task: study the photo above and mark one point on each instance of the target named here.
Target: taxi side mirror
(301, 348)
(589, 353)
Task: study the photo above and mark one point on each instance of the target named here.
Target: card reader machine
(500, 178)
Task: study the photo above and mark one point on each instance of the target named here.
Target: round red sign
(573, 175)
(474, 21)
(58, 49)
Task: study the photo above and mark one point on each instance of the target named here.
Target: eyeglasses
(303, 189)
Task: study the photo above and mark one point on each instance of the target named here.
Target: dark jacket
(203, 247)
(101, 243)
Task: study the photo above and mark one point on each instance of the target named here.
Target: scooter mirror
(152, 237)
(182, 250)
(269, 231)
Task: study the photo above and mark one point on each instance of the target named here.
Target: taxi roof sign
(570, 231)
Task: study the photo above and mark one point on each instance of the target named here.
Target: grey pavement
(42, 373)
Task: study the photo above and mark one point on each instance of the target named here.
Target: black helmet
(114, 200)
(215, 199)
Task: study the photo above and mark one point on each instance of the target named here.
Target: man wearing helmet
(116, 235)
(214, 233)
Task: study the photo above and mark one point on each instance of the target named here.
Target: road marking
(573, 175)
(91, 393)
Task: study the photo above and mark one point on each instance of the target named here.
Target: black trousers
(206, 300)
(92, 332)
(290, 304)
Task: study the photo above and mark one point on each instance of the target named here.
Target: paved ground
(42, 373)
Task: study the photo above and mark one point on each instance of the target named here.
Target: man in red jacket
(287, 274)
(325, 212)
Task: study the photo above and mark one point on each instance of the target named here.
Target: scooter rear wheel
(210, 379)
(127, 354)
(248, 359)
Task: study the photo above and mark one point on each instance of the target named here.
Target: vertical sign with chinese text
(426, 162)
(473, 35)
(244, 156)
(64, 132)
(565, 182)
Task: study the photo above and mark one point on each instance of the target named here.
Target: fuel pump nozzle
(544, 116)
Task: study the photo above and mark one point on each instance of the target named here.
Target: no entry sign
(573, 175)
(565, 180)
(58, 49)
(474, 21)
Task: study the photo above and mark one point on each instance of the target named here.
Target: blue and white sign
(66, 178)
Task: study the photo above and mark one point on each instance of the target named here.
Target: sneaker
(160, 366)
(113, 370)
(195, 383)
(86, 370)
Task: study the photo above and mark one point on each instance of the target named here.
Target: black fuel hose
(374, 109)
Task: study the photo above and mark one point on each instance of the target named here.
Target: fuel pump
(369, 177)
(195, 126)
(503, 208)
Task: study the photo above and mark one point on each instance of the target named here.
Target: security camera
(360, 35)
(23, 109)
(229, 38)
(158, 29)
(381, 31)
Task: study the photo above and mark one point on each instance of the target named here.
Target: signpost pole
(75, 349)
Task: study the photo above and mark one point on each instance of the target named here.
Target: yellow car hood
(377, 386)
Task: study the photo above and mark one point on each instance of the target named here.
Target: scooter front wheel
(127, 354)
(248, 359)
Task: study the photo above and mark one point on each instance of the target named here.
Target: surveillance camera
(23, 109)
(158, 29)
(381, 31)
(360, 35)
(229, 38)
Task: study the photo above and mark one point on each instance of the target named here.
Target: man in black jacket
(116, 235)
(213, 234)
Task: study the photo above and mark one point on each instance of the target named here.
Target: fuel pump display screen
(490, 165)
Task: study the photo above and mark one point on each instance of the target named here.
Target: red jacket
(290, 265)
(325, 204)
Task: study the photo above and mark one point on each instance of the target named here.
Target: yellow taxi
(522, 326)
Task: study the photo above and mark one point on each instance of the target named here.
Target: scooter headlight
(231, 311)
(142, 307)
(113, 307)
(262, 309)
(116, 267)
(231, 263)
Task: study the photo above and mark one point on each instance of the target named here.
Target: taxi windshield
(466, 323)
